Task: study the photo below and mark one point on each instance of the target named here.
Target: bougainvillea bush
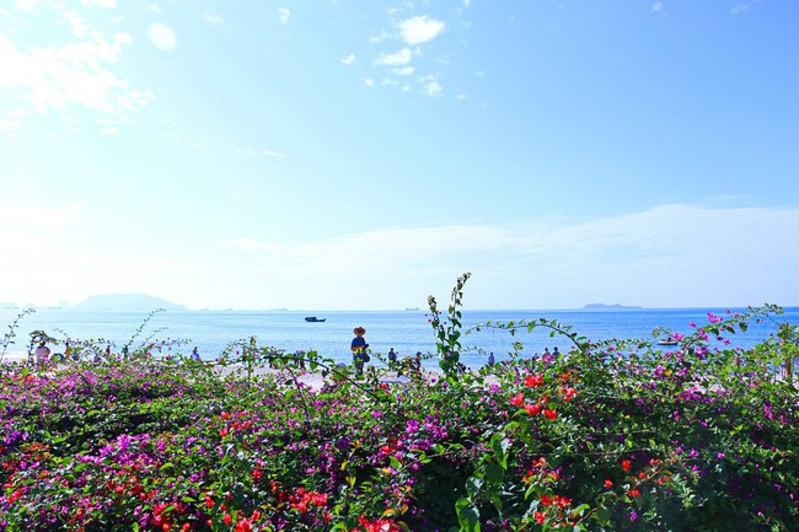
(622, 435)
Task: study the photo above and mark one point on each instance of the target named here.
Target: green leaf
(494, 473)
(468, 516)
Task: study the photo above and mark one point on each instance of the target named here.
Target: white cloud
(109, 131)
(11, 120)
(76, 72)
(27, 5)
(431, 87)
(161, 36)
(212, 18)
(153, 8)
(105, 4)
(657, 6)
(349, 60)
(403, 57)
(380, 37)
(284, 14)
(369, 82)
(418, 30)
(37, 217)
(738, 9)
(404, 71)
(247, 243)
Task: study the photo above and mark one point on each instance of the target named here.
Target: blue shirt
(358, 341)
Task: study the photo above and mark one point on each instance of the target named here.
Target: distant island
(138, 302)
(615, 306)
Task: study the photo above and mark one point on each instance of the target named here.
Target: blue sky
(362, 154)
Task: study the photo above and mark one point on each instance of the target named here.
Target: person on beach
(358, 348)
(392, 358)
(42, 354)
(555, 352)
(491, 360)
(194, 354)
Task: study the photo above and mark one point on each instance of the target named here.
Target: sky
(360, 155)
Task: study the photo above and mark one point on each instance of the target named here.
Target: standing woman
(358, 348)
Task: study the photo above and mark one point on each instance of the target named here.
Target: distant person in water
(491, 360)
(194, 354)
(392, 358)
(358, 348)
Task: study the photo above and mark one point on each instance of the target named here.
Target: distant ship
(314, 319)
(411, 308)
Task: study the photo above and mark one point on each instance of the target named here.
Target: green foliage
(612, 435)
(448, 330)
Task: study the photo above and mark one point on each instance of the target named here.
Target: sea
(407, 331)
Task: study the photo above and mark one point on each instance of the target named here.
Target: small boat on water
(668, 341)
(314, 319)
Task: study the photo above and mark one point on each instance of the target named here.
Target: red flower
(532, 409)
(633, 493)
(539, 518)
(625, 464)
(227, 519)
(608, 484)
(534, 380)
(546, 500)
(517, 400)
(550, 414)
(245, 525)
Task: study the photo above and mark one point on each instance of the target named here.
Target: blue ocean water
(406, 331)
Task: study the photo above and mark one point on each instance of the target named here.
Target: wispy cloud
(403, 57)
(657, 7)
(213, 18)
(37, 217)
(12, 119)
(738, 9)
(686, 252)
(249, 152)
(349, 60)
(404, 71)
(419, 30)
(283, 14)
(105, 4)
